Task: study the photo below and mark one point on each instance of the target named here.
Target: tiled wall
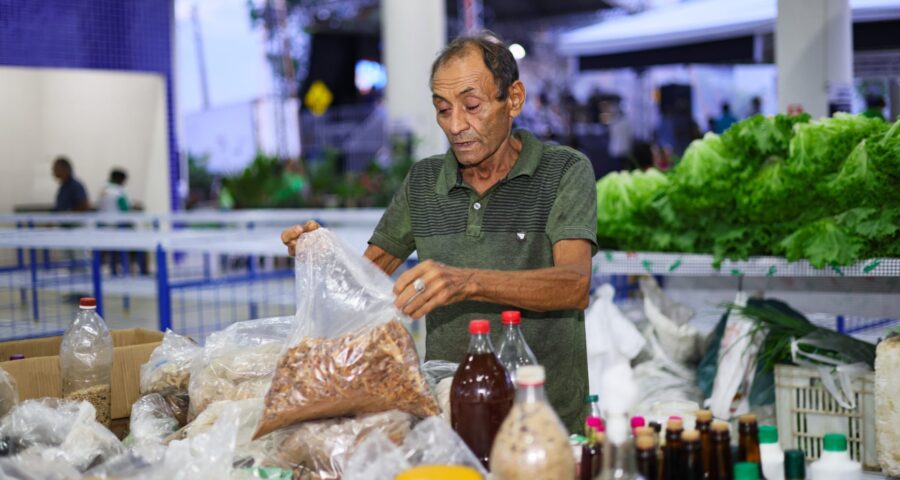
(123, 35)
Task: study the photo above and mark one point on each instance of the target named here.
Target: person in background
(620, 140)
(113, 198)
(874, 107)
(726, 119)
(755, 106)
(71, 196)
(641, 155)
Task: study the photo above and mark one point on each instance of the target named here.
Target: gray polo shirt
(548, 196)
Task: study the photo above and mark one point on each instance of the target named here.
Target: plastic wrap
(248, 412)
(887, 405)
(32, 467)
(237, 363)
(59, 430)
(152, 420)
(349, 354)
(169, 366)
(439, 374)
(9, 393)
(432, 442)
(318, 450)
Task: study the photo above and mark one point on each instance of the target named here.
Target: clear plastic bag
(169, 366)
(248, 412)
(152, 420)
(432, 442)
(439, 374)
(56, 429)
(9, 393)
(349, 353)
(319, 449)
(237, 363)
(31, 466)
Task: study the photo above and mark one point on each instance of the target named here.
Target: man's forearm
(545, 289)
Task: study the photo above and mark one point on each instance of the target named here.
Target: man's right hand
(290, 235)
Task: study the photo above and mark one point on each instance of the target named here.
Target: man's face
(59, 172)
(464, 94)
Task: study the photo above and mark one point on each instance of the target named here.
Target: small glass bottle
(481, 394)
(748, 441)
(647, 461)
(85, 360)
(532, 442)
(512, 350)
(794, 465)
(672, 450)
(722, 462)
(704, 426)
(692, 465)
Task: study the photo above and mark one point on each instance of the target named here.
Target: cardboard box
(37, 375)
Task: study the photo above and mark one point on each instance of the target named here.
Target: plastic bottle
(513, 351)
(794, 465)
(85, 360)
(481, 394)
(594, 402)
(835, 462)
(770, 452)
(748, 441)
(704, 426)
(722, 462)
(746, 471)
(532, 442)
(618, 452)
(692, 464)
(591, 451)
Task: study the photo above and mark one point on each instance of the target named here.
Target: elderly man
(500, 221)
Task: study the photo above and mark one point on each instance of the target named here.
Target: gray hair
(497, 58)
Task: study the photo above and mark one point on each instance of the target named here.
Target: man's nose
(458, 122)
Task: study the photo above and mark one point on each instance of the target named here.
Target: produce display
(823, 191)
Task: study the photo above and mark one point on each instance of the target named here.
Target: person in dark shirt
(71, 196)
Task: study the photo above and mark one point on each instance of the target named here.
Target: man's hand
(443, 285)
(290, 235)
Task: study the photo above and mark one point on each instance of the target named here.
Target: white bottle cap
(530, 375)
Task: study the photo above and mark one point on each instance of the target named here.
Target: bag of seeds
(169, 366)
(349, 354)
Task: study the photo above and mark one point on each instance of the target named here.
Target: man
(501, 221)
(113, 198)
(725, 120)
(71, 196)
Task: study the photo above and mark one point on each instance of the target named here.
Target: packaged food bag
(169, 366)
(349, 353)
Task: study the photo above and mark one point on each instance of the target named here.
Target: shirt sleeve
(394, 231)
(574, 213)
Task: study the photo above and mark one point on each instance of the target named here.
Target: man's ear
(516, 98)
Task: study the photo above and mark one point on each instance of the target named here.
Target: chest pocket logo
(521, 236)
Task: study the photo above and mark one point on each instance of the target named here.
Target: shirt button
(477, 206)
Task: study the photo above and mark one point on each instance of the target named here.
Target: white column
(413, 32)
(814, 55)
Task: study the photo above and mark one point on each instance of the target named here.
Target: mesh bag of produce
(349, 353)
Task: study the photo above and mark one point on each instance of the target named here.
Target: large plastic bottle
(532, 443)
(481, 394)
(85, 360)
(835, 462)
(513, 351)
(771, 453)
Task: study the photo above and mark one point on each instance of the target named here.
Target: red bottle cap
(88, 302)
(477, 327)
(596, 423)
(637, 421)
(511, 317)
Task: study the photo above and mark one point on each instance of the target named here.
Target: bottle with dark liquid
(647, 461)
(589, 451)
(704, 427)
(672, 451)
(692, 466)
(721, 460)
(481, 394)
(748, 441)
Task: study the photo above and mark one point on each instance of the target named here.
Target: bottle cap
(746, 471)
(599, 437)
(656, 426)
(690, 436)
(530, 375)
(592, 398)
(674, 417)
(674, 424)
(637, 421)
(439, 472)
(511, 317)
(748, 418)
(595, 422)
(794, 464)
(835, 442)
(641, 431)
(644, 442)
(704, 415)
(88, 302)
(768, 434)
(720, 426)
(479, 327)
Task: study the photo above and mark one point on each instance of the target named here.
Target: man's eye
(443, 110)
(472, 108)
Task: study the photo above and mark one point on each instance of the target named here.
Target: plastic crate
(806, 412)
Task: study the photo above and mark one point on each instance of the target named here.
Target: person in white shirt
(113, 198)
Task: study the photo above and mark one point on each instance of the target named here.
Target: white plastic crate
(806, 412)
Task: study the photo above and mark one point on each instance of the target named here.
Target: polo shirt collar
(528, 161)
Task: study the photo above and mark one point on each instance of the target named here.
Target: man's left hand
(438, 284)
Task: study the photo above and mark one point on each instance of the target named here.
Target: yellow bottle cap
(440, 472)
